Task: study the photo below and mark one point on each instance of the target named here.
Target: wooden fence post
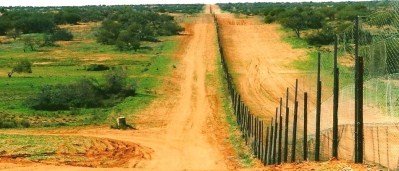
(318, 111)
(287, 118)
(270, 158)
(335, 101)
(358, 98)
(280, 133)
(275, 139)
(294, 127)
(265, 154)
(305, 126)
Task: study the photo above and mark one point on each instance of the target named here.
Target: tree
(127, 41)
(62, 34)
(5, 25)
(294, 22)
(14, 33)
(22, 66)
(30, 42)
(108, 32)
(35, 23)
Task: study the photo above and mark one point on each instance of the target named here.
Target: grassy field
(66, 64)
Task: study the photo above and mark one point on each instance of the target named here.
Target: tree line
(321, 21)
(127, 28)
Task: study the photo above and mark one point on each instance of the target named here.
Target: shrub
(22, 66)
(324, 37)
(116, 84)
(62, 34)
(85, 93)
(97, 67)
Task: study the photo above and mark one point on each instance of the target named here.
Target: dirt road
(182, 138)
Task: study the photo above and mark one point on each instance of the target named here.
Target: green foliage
(321, 20)
(23, 66)
(31, 43)
(62, 34)
(85, 93)
(97, 67)
(127, 40)
(127, 28)
(325, 36)
(67, 17)
(13, 33)
(34, 23)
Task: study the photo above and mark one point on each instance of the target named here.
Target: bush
(62, 34)
(126, 28)
(23, 66)
(324, 37)
(97, 67)
(116, 84)
(85, 93)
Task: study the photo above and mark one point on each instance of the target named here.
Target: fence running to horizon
(293, 134)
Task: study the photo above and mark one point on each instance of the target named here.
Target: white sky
(129, 2)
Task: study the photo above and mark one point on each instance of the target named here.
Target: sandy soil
(259, 60)
(179, 127)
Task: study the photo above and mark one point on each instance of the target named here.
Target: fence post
(275, 139)
(305, 126)
(293, 150)
(358, 98)
(265, 154)
(336, 98)
(318, 111)
(260, 139)
(387, 141)
(270, 158)
(287, 114)
(280, 133)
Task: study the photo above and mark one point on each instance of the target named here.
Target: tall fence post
(275, 139)
(294, 126)
(358, 98)
(305, 126)
(270, 158)
(260, 139)
(318, 111)
(287, 118)
(280, 133)
(335, 101)
(265, 154)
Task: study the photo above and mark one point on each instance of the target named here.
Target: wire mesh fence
(301, 130)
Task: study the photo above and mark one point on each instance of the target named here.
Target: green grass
(66, 64)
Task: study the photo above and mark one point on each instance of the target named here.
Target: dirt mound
(98, 152)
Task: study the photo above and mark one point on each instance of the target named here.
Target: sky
(129, 2)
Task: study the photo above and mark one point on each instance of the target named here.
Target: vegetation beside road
(58, 61)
